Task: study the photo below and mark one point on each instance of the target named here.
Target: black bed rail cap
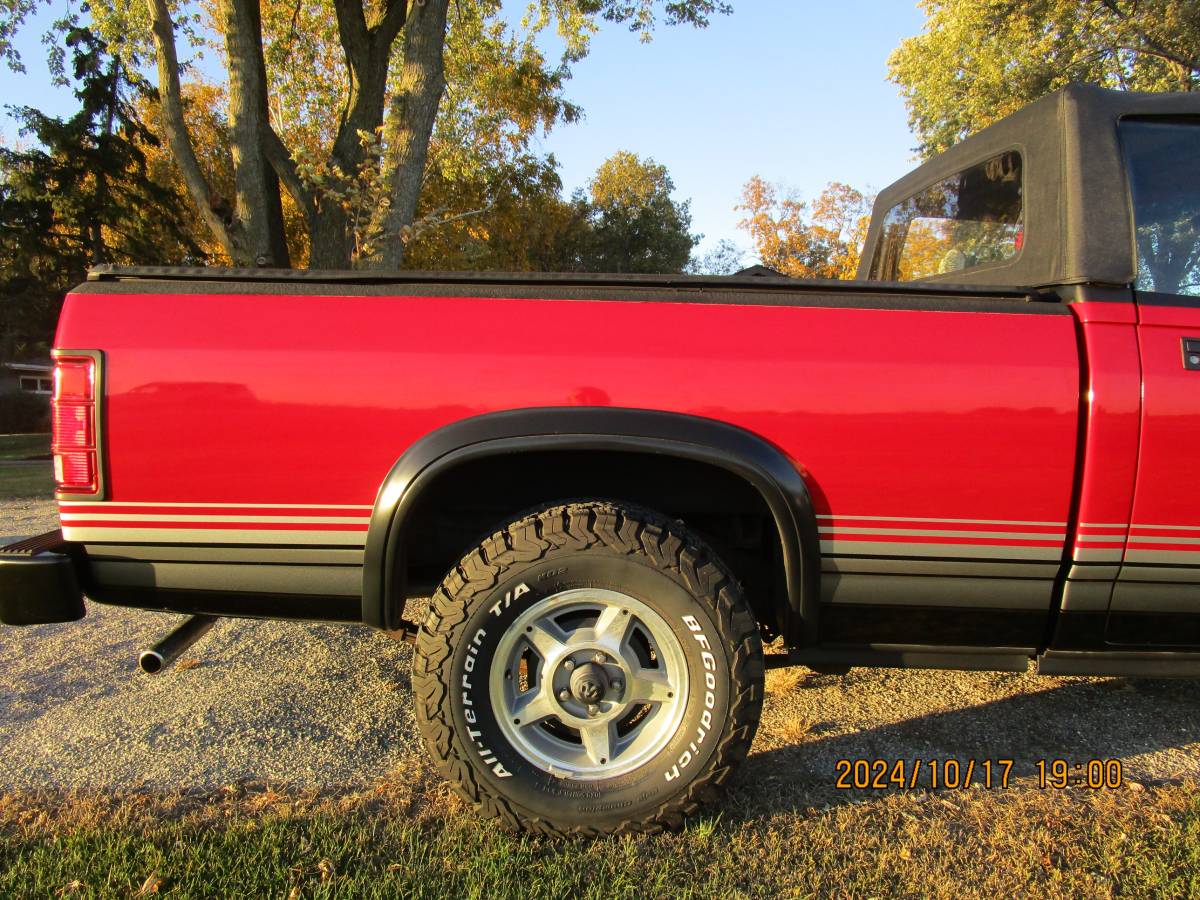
(758, 282)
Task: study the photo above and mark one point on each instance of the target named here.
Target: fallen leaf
(150, 886)
(325, 867)
(190, 663)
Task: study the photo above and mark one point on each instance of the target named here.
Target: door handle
(1191, 354)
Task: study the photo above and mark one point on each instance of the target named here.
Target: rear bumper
(38, 582)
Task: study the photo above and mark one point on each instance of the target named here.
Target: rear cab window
(1163, 160)
(973, 218)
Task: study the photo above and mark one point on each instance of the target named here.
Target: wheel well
(475, 498)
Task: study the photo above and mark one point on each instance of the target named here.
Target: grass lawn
(22, 446)
(22, 481)
(405, 840)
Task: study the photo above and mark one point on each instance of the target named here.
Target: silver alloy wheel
(589, 683)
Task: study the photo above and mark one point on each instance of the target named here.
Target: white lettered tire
(591, 669)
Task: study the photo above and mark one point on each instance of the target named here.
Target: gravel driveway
(329, 707)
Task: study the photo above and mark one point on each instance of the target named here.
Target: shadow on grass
(1073, 720)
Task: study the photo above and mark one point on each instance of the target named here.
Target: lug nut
(594, 709)
(564, 694)
(598, 658)
(569, 665)
(616, 686)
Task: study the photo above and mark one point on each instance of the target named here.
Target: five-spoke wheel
(592, 683)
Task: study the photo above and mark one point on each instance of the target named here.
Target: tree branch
(1151, 46)
(394, 18)
(356, 44)
(175, 126)
(285, 167)
(352, 32)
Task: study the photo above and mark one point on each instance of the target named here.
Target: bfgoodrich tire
(591, 669)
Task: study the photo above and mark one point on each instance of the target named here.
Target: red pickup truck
(982, 454)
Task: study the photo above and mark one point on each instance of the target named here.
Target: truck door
(1156, 600)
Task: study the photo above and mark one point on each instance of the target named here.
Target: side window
(1163, 159)
(971, 219)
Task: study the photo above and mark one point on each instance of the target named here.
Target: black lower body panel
(869, 624)
(307, 607)
(914, 656)
(260, 582)
(1154, 664)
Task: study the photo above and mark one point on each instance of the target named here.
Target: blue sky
(796, 92)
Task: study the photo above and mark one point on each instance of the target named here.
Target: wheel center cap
(589, 683)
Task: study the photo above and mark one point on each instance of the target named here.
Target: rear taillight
(76, 442)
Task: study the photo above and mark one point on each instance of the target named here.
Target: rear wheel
(592, 668)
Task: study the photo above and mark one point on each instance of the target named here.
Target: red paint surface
(264, 399)
(1112, 408)
(1168, 488)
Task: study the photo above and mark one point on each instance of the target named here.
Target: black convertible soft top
(1078, 224)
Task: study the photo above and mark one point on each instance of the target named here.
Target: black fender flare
(767, 468)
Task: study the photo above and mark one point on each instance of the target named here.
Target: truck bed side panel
(928, 436)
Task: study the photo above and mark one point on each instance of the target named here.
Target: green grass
(22, 446)
(22, 482)
(400, 841)
(25, 481)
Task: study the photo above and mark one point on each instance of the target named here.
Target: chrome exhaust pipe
(168, 649)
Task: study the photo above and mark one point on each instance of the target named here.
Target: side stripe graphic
(897, 537)
(277, 524)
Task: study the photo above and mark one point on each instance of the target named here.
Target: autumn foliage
(823, 240)
(976, 61)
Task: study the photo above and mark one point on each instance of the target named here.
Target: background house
(25, 389)
(27, 377)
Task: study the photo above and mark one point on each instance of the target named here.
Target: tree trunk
(97, 248)
(368, 56)
(329, 243)
(410, 121)
(226, 231)
(257, 204)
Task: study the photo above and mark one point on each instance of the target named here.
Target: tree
(489, 200)
(391, 66)
(510, 217)
(83, 194)
(726, 258)
(822, 243)
(840, 217)
(635, 226)
(204, 111)
(979, 60)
